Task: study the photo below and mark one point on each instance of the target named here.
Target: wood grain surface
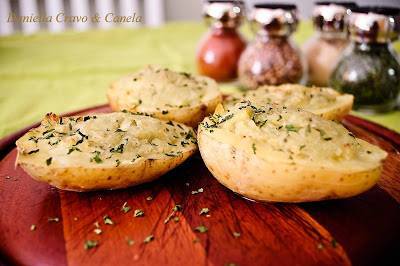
(362, 230)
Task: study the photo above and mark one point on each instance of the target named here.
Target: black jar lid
(224, 13)
(331, 16)
(274, 19)
(374, 23)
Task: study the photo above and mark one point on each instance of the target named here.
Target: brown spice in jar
(270, 62)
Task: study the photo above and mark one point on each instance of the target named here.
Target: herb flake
(89, 244)
(138, 213)
(201, 229)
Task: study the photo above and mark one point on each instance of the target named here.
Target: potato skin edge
(190, 116)
(254, 178)
(81, 179)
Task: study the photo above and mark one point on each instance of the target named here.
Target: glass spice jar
(324, 49)
(220, 49)
(369, 68)
(271, 58)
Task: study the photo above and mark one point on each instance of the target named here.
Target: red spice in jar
(219, 53)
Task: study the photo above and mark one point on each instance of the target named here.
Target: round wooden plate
(362, 230)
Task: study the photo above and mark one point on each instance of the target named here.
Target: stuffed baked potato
(104, 151)
(324, 102)
(165, 94)
(275, 153)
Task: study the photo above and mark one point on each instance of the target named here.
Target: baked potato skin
(160, 93)
(82, 179)
(337, 114)
(190, 116)
(335, 110)
(104, 151)
(254, 178)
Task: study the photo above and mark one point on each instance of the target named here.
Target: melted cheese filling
(282, 134)
(116, 138)
(156, 89)
(311, 99)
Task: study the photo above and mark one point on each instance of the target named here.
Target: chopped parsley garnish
(118, 162)
(254, 148)
(148, 239)
(125, 207)
(187, 75)
(138, 213)
(34, 139)
(176, 208)
(33, 151)
(107, 220)
(96, 158)
(119, 130)
(183, 143)
(204, 211)
(89, 244)
(54, 143)
(171, 154)
(48, 161)
(327, 138)
(83, 137)
(321, 132)
(49, 136)
(47, 131)
(334, 243)
(292, 128)
(164, 112)
(118, 149)
(302, 147)
(201, 229)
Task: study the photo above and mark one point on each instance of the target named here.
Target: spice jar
(220, 49)
(369, 68)
(324, 49)
(271, 58)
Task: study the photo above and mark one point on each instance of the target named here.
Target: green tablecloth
(64, 72)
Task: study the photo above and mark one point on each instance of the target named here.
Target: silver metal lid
(368, 24)
(274, 19)
(332, 16)
(224, 13)
(394, 13)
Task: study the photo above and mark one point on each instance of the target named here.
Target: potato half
(165, 94)
(275, 153)
(105, 151)
(324, 102)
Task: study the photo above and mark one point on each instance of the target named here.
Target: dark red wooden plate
(362, 230)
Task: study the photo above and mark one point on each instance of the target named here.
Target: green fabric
(68, 71)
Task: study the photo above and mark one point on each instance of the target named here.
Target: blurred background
(152, 12)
